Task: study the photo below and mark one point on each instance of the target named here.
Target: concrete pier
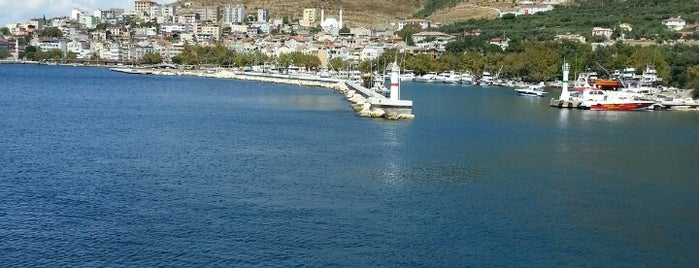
(364, 101)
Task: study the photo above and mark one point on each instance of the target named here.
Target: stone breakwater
(358, 96)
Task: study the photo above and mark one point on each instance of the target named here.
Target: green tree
(650, 56)
(344, 29)
(5, 31)
(71, 55)
(693, 80)
(4, 54)
(152, 58)
(30, 52)
(543, 62)
(407, 33)
(51, 32)
(338, 64)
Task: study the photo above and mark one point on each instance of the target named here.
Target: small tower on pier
(395, 82)
(565, 94)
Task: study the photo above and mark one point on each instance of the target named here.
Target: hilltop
(375, 13)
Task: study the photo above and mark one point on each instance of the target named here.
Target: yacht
(532, 90)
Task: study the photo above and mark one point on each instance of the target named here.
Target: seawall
(362, 100)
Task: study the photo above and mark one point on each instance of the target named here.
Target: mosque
(330, 24)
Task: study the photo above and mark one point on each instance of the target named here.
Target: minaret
(322, 16)
(565, 95)
(17, 49)
(340, 17)
(395, 82)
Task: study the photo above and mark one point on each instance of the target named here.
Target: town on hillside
(118, 34)
(149, 32)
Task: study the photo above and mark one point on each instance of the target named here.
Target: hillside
(355, 13)
(376, 13)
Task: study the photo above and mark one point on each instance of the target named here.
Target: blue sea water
(106, 169)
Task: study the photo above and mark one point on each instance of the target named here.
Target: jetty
(364, 101)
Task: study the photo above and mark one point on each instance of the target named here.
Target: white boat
(450, 77)
(605, 100)
(532, 90)
(379, 86)
(430, 77)
(486, 79)
(407, 75)
(466, 79)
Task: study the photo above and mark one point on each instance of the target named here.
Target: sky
(21, 10)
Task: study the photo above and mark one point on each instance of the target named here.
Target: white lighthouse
(565, 94)
(395, 82)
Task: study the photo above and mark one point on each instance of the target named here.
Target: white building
(76, 13)
(309, 17)
(599, 31)
(174, 28)
(50, 44)
(262, 15)
(437, 36)
(89, 22)
(187, 19)
(208, 13)
(330, 24)
(533, 9)
(676, 24)
(233, 14)
(370, 53)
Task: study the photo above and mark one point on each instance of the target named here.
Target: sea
(104, 169)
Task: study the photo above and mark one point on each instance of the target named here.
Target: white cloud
(21, 10)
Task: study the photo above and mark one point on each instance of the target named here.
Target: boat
(589, 97)
(427, 78)
(486, 79)
(602, 100)
(450, 77)
(379, 86)
(532, 90)
(466, 79)
(407, 75)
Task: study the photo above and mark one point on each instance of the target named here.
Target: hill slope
(355, 12)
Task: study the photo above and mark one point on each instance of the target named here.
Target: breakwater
(365, 102)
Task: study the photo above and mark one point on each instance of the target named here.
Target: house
(424, 24)
(533, 9)
(53, 43)
(503, 43)
(437, 36)
(474, 32)
(142, 7)
(676, 24)
(570, 37)
(599, 31)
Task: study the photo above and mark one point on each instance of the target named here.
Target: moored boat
(532, 90)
